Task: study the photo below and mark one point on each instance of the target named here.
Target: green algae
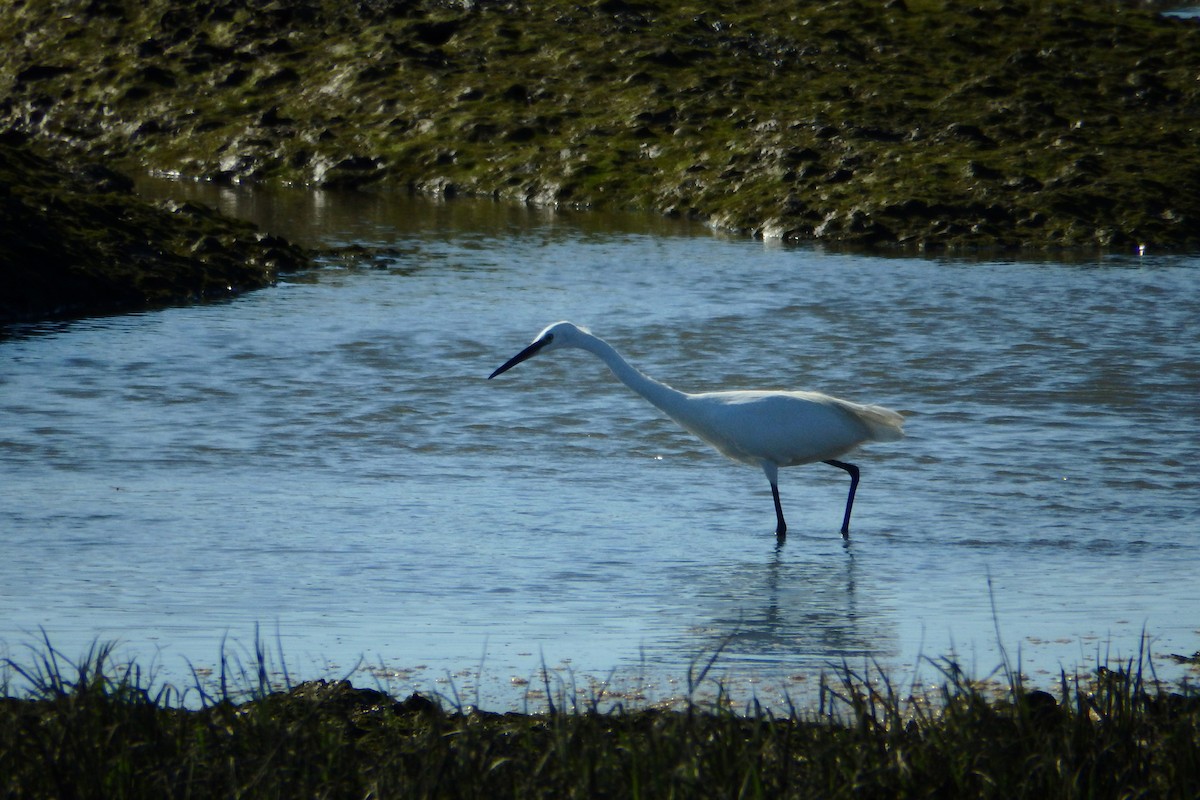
(919, 124)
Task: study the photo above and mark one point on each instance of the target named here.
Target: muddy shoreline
(77, 241)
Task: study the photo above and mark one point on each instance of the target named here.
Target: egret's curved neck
(659, 394)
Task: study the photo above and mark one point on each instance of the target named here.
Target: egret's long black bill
(528, 352)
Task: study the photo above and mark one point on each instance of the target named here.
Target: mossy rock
(908, 123)
(75, 240)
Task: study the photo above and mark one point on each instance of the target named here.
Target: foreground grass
(96, 729)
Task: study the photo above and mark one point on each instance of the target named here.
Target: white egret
(766, 429)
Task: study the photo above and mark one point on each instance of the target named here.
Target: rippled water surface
(326, 460)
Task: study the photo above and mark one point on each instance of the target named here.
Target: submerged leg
(853, 470)
(780, 525)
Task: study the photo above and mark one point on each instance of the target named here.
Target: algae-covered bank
(906, 123)
(75, 240)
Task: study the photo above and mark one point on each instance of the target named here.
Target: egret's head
(558, 335)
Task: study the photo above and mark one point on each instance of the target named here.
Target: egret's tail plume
(886, 425)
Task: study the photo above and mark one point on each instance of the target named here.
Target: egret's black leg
(780, 525)
(853, 470)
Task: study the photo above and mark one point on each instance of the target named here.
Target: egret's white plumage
(766, 429)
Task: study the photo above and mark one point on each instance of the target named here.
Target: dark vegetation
(97, 728)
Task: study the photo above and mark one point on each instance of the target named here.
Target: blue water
(327, 461)
(1187, 12)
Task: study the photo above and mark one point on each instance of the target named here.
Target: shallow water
(327, 461)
